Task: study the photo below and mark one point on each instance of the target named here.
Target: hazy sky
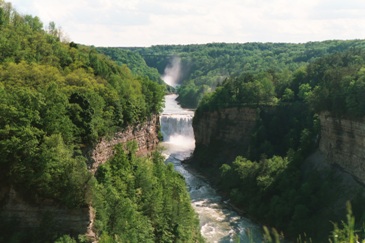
(152, 22)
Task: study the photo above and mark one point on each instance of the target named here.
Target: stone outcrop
(343, 143)
(229, 126)
(222, 135)
(145, 134)
(47, 214)
(80, 220)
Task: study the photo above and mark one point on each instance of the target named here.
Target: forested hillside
(143, 200)
(57, 98)
(133, 60)
(270, 178)
(203, 67)
(287, 85)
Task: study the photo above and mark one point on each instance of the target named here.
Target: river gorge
(218, 221)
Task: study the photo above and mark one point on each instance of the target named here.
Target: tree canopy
(267, 179)
(52, 89)
(205, 66)
(57, 99)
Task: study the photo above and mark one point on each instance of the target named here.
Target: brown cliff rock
(80, 220)
(222, 135)
(45, 214)
(145, 134)
(343, 143)
(229, 125)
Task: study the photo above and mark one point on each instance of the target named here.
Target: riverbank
(211, 177)
(328, 185)
(219, 222)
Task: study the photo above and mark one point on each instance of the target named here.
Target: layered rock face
(229, 126)
(28, 216)
(145, 134)
(223, 134)
(343, 143)
(80, 220)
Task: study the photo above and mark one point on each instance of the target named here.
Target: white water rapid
(218, 221)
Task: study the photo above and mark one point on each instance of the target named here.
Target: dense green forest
(143, 200)
(333, 83)
(57, 98)
(267, 179)
(203, 67)
(288, 84)
(133, 60)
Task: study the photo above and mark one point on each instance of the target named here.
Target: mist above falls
(172, 72)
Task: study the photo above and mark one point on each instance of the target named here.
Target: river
(218, 221)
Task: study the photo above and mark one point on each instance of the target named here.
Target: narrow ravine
(219, 222)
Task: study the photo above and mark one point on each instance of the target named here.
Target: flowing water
(218, 221)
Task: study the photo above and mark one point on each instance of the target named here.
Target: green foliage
(346, 232)
(274, 191)
(143, 200)
(333, 83)
(268, 179)
(133, 60)
(205, 66)
(272, 236)
(245, 90)
(56, 100)
(337, 82)
(65, 239)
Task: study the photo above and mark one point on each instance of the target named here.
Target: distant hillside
(133, 60)
(58, 99)
(203, 67)
(290, 152)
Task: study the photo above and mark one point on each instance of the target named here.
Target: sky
(142, 23)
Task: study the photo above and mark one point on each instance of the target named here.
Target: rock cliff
(343, 143)
(145, 134)
(226, 130)
(28, 216)
(230, 125)
(74, 221)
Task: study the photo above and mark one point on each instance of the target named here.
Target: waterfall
(177, 130)
(176, 124)
(219, 223)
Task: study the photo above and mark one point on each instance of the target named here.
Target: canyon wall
(229, 125)
(343, 143)
(47, 215)
(145, 134)
(80, 220)
(226, 130)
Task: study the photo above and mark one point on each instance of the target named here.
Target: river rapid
(218, 221)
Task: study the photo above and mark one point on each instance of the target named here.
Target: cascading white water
(219, 223)
(177, 124)
(177, 130)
